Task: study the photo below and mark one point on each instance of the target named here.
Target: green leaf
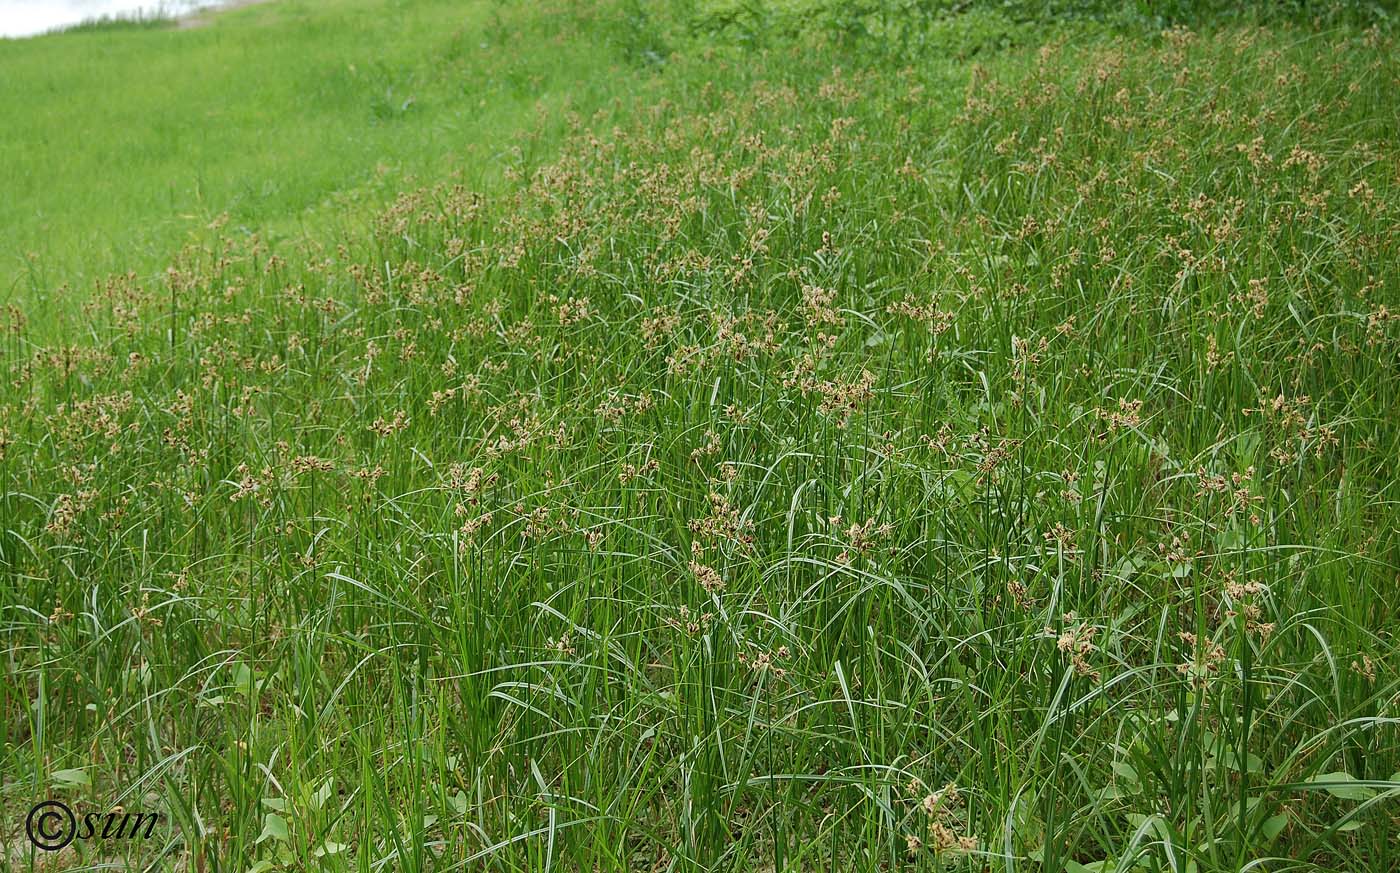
(1273, 826)
(1229, 758)
(459, 802)
(323, 793)
(1231, 540)
(1154, 823)
(1338, 786)
(329, 848)
(71, 778)
(1353, 825)
(274, 828)
(1125, 771)
(261, 866)
(244, 681)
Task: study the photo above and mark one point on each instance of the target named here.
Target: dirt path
(206, 16)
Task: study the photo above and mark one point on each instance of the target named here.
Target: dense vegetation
(809, 452)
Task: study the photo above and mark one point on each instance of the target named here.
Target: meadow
(777, 437)
(125, 140)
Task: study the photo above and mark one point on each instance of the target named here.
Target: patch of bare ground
(204, 17)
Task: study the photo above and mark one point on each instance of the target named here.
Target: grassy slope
(288, 117)
(796, 439)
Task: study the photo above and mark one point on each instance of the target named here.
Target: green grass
(290, 117)
(740, 465)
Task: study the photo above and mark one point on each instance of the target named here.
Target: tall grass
(802, 463)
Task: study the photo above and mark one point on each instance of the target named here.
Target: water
(28, 17)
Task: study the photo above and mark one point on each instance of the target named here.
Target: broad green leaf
(71, 778)
(1338, 786)
(274, 828)
(244, 680)
(459, 802)
(1274, 825)
(323, 793)
(329, 848)
(1231, 540)
(1228, 757)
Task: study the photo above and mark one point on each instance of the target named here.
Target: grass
(802, 461)
(287, 118)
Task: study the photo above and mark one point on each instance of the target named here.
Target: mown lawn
(792, 449)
